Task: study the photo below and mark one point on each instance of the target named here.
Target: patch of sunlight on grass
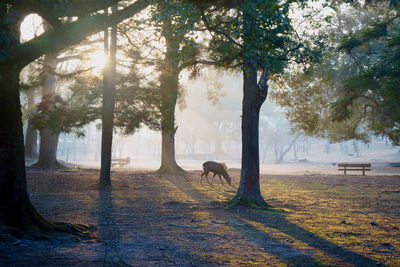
(320, 256)
(230, 259)
(355, 213)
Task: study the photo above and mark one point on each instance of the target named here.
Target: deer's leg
(212, 180)
(201, 176)
(220, 179)
(206, 175)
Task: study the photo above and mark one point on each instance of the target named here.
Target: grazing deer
(218, 169)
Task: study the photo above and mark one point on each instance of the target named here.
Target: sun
(97, 59)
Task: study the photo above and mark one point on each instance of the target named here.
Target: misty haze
(199, 133)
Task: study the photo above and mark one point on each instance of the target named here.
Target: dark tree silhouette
(110, 49)
(16, 209)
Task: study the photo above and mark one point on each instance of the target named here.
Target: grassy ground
(160, 220)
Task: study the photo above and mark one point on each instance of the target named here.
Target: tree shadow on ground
(107, 226)
(271, 231)
(144, 243)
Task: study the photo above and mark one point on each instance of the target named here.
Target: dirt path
(152, 220)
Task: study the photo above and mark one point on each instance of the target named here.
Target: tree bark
(169, 88)
(16, 210)
(48, 150)
(31, 147)
(48, 137)
(168, 162)
(108, 105)
(249, 193)
(254, 95)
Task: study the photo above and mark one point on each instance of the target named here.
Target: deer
(218, 169)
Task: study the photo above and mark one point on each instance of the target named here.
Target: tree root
(74, 229)
(253, 203)
(175, 170)
(56, 165)
(30, 224)
(57, 229)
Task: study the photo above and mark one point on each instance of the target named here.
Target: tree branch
(72, 33)
(216, 30)
(65, 8)
(38, 7)
(262, 86)
(66, 58)
(198, 61)
(219, 3)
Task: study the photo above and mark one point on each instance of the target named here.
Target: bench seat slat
(349, 165)
(354, 169)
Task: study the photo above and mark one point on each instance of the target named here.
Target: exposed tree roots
(31, 224)
(52, 166)
(174, 169)
(42, 232)
(252, 202)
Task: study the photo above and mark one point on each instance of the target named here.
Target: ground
(149, 219)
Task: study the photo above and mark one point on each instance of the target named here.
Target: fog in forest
(208, 120)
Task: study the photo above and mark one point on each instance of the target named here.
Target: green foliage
(137, 103)
(350, 43)
(356, 93)
(271, 41)
(176, 21)
(71, 113)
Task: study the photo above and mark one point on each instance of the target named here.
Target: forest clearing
(115, 113)
(149, 219)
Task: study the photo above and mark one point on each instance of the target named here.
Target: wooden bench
(354, 167)
(120, 162)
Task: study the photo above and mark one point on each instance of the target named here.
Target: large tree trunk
(249, 193)
(48, 150)
(16, 210)
(108, 105)
(15, 207)
(254, 95)
(168, 162)
(48, 138)
(169, 88)
(31, 147)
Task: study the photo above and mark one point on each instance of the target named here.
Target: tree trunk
(284, 152)
(218, 151)
(169, 88)
(356, 149)
(48, 150)
(168, 162)
(31, 147)
(254, 96)
(108, 105)
(249, 193)
(48, 138)
(16, 210)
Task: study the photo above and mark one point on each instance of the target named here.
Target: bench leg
(345, 170)
(363, 171)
